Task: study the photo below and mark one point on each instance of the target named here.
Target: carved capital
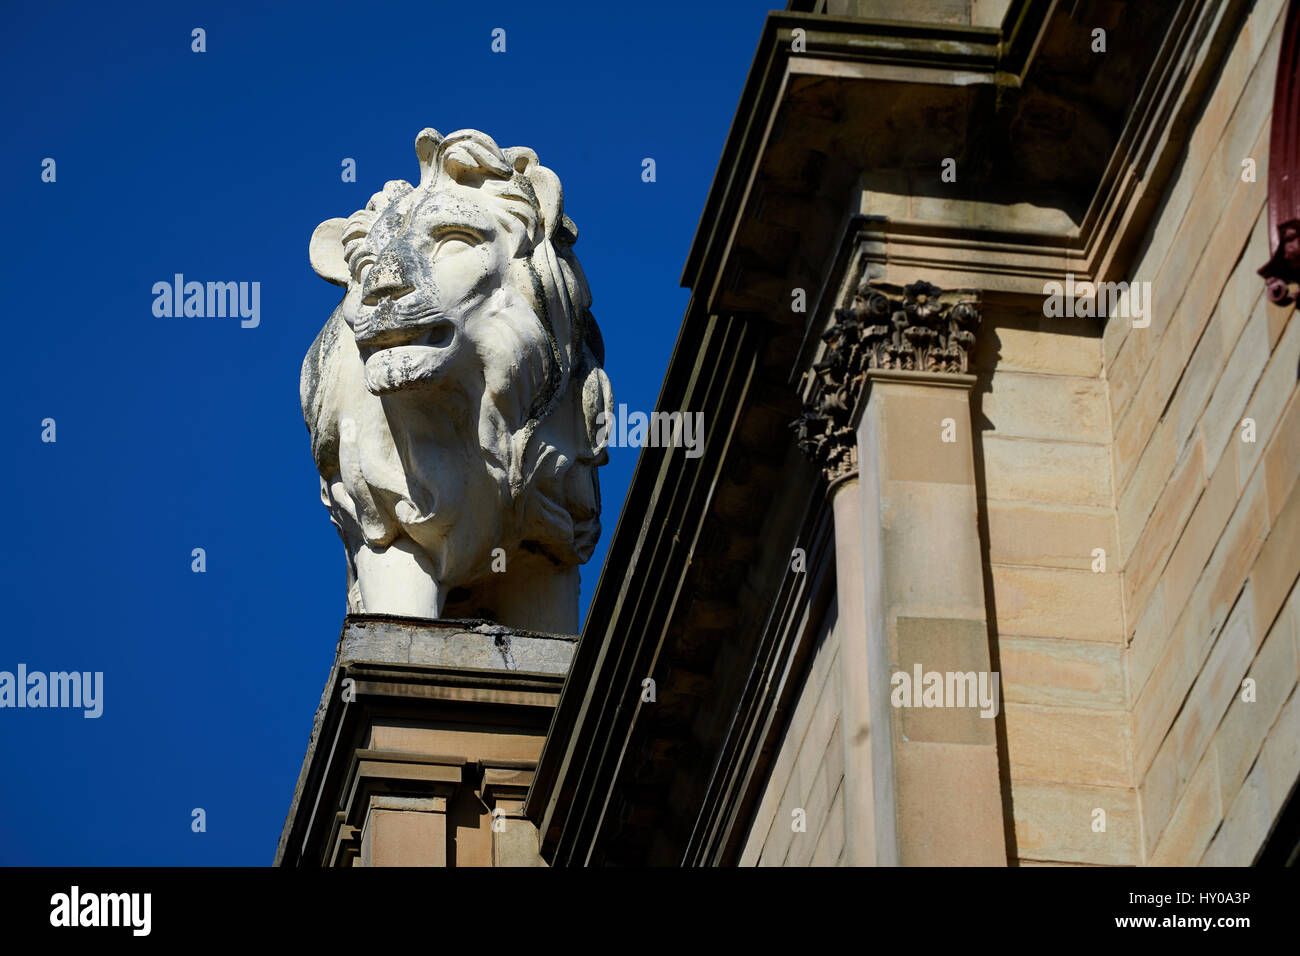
(917, 331)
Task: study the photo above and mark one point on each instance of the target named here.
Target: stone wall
(806, 774)
(1056, 607)
(1122, 681)
(1208, 521)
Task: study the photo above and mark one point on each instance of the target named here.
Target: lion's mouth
(439, 334)
(419, 354)
(386, 327)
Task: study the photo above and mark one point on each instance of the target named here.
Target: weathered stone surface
(515, 844)
(945, 645)
(1037, 343)
(1198, 710)
(1049, 472)
(456, 398)
(410, 710)
(1143, 567)
(1239, 737)
(1048, 602)
(1282, 459)
(1278, 564)
(1083, 746)
(830, 842)
(811, 746)
(1222, 419)
(404, 837)
(1060, 407)
(1273, 390)
(1201, 533)
(1056, 822)
(1194, 822)
(939, 828)
(1166, 695)
(1039, 670)
(1147, 642)
(1050, 537)
(1263, 794)
(1143, 489)
(484, 646)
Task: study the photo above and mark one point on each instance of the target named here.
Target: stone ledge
(464, 645)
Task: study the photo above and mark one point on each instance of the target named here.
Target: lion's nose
(387, 279)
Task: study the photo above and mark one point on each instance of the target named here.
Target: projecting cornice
(920, 330)
(1062, 154)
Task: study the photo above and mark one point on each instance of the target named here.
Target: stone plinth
(424, 745)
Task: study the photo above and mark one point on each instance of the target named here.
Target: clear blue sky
(180, 433)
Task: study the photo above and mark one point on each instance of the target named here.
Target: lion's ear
(426, 147)
(597, 408)
(550, 197)
(520, 157)
(326, 252)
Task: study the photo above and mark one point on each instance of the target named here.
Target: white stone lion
(454, 396)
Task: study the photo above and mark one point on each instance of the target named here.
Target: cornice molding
(944, 54)
(1107, 236)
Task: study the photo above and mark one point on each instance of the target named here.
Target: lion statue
(454, 395)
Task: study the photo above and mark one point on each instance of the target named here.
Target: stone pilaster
(826, 434)
(889, 420)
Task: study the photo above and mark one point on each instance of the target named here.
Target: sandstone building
(1003, 463)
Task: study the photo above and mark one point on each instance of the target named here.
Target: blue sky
(180, 433)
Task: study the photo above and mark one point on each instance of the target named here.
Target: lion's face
(420, 274)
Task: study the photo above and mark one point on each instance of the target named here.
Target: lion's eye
(359, 264)
(452, 241)
(352, 245)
